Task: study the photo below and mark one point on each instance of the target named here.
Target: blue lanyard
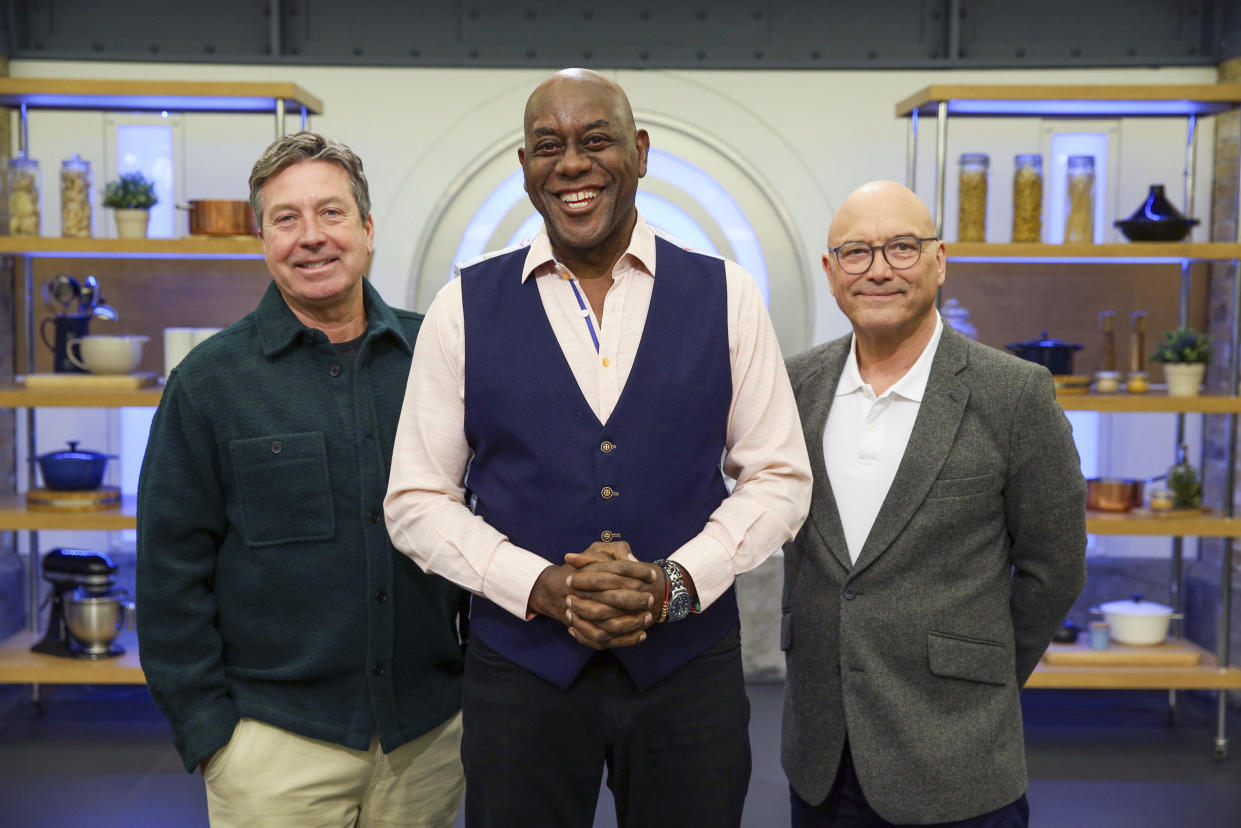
(590, 326)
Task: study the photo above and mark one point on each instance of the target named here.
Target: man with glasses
(946, 541)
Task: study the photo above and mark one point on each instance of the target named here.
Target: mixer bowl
(96, 620)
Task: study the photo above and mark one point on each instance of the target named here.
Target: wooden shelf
(15, 516)
(1152, 402)
(190, 247)
(1117, 252)
(1086, 101)
(1207, 675)
(179, 96)
(18, 396)
(18, 665)
(1127, 523)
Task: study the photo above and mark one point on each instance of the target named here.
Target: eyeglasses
(901, 253)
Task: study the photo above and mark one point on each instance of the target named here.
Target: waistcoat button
(608, 492)
(606, 535)
(606, 446)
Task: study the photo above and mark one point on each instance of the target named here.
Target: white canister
(177, 343)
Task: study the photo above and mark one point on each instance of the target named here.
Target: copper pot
(1116, 494)
(221, 217)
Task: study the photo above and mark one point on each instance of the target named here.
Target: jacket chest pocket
(283, 488)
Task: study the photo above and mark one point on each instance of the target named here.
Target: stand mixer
(87, 611)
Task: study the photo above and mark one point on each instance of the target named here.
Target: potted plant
(1184, 353)
(131, 197)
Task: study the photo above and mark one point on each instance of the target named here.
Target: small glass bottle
(972, 197)
(75, 208)
(23, 196)
(1079, 221)
(957, 317)
(1028, 198)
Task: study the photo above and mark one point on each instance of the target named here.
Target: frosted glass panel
(148, 148)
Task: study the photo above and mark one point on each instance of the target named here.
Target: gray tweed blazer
(919, 650)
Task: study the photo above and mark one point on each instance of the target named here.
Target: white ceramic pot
(131, 223)
(1137, 621)
(1184, 378)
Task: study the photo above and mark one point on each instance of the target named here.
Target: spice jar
(1028, 198)
(1079, 223)
(75, 181)
(972, 198)
(23, 196)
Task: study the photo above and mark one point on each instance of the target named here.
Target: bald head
(569, 84)
(880, 203)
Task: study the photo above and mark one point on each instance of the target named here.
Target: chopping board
(1174, 652)
(87, 500)
(98, 382)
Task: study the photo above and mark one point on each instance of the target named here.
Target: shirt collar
(279, 328)
(912, 386)
(540, 259)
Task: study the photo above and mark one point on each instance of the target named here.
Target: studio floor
(101, 757)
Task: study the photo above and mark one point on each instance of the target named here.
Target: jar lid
(1081, 161)
(1032, 159)
(75, 163)
(20, 161)
(975, 158)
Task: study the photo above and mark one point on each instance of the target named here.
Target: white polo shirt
(866, 436)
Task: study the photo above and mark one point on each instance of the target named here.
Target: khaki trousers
(266, 777)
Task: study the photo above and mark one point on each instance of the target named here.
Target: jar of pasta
(972, 197)
(1028, 198)
(1079, 222)
(23, 196)
(75, 208)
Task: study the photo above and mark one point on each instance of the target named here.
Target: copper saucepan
(221, 217)
(1116, 494)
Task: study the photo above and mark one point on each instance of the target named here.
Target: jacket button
(606, 446)
(850, 594)
(378, 669)
(334, 370)
(381, 595)
(607, 492)
(375, 517)
(276, 446)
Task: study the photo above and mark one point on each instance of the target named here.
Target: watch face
(679, 606)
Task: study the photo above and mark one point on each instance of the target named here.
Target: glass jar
(23, 196)
(957, 317)
(1028, 198)
(972, 197)
(75, 208)
(1079, 220)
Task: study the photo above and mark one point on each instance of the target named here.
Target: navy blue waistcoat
(552, 478)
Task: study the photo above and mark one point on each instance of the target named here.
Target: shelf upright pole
(23, 133)
(305, 117)
(941, 163)
(911, 150)
(32, 569)
(280, 118)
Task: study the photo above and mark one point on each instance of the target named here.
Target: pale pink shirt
(766, 454)
(866, 437)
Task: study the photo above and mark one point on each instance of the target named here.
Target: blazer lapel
(934, 432)
(823, 510)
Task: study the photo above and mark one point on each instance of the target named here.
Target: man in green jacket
(311, 671)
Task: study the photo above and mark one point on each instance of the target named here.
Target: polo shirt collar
(912, 386)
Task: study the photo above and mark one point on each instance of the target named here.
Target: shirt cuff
(709, 564)
(510, 578)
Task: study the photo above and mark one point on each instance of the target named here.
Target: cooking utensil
(96, 620)
(220, 217)
(73, 470)
(65, 290)
(104, 312)
(1156, 220)
(102, 354)
(1116, 494)
(1137, 621)
(88, 297)
(1057, 356)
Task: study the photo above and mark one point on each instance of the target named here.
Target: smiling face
(582, 160)
(315, 240)
(884, 304)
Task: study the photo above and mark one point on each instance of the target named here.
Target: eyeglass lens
(900, 252)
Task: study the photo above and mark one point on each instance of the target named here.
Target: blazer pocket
(786, 631)
(283, 488)
(970, 659)
(963, 486)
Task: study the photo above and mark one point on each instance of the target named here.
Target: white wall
(812, 136)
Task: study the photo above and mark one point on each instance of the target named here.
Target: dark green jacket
(267, 585)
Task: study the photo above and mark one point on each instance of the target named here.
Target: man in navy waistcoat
(559, 455)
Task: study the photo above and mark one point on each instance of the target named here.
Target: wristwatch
(679, 601)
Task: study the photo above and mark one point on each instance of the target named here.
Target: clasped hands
(605, 596)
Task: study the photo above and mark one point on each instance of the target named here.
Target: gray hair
(307, 146)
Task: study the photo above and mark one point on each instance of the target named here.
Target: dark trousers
(846, 807)
(677, 754)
